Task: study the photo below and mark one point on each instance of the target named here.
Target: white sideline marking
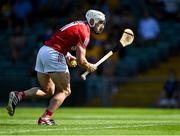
(88, 128)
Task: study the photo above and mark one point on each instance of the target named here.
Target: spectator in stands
(17, 44)
(6, 13)
(171, 9)
(169, 95)
(149, 30)
(22, 10)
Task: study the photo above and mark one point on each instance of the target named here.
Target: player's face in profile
(99, 27)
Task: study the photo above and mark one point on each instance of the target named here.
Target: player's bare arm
(82, 61)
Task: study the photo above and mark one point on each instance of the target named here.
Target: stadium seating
(145, 89)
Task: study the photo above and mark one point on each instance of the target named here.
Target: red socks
(47, 114)
(21, 95)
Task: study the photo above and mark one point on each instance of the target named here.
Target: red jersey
(68, 37)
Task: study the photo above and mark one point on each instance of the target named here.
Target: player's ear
(91, 21)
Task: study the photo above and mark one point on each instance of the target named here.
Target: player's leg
(48, 89)
(46, 83)
(62, 83)
(54, 63)
(62, 90)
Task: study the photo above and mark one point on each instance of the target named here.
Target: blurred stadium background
(146, 74)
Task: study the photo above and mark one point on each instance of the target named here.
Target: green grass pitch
(93, 121)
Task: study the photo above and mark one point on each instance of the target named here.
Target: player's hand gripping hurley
(126, 39)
